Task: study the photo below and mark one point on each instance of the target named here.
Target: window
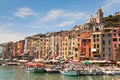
(65, 48)
(84, 44)
(78, 34)
(97, 45)
(103, 35)
(115, 39)
(84, 49)
(69, 53)
(69, 48)
(109, 35)
(119, 45)
(76, 55)
(109, 55)
(119, 39)
(94, 36)
(98, 51)
(94, 45)
(109, 42)
(119, 34)
(114, 34)
(115, 45)
(94, 40)
(103, 42)
(97, 39)
(78, 44)
(114, 30)
(103, 49)
(109, 49)
(103, 55)
(73, 43)
(89, 49)
(97, 35)
(76, 49)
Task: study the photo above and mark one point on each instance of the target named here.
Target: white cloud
(62, 14)
(67, 23)
(52, 15)
(108, 4)
(55, 17)
(6, 33)
(24, 12)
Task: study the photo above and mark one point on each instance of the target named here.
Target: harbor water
(17, 73)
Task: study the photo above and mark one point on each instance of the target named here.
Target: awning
(70, 56)
(99, 61)
(93, 50)
(39, 60)
(82, 56)
(86, 62)
(53, 60)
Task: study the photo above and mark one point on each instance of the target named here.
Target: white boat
(52, 70)
(99, 72)
(3, 64)
(109, 72)
(35, 70)
(29, 69)
(34, 67)
(83, 72)
(69, 72)
(117, 71)
(92, 71)
(12, 63)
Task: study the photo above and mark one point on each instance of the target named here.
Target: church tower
(91, 19)
(99, 16)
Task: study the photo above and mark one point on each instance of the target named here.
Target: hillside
(112, 20)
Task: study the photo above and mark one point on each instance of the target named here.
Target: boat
(52, 69)
(34, 67)
(109, 72)
(99, 72)
(12, 63)
(83, 72)
(92, 71)
(117, 71)
(69, 72)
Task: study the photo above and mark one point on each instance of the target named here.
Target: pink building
(115, 40)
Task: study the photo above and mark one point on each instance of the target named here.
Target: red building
(85, 46)
(115, 40)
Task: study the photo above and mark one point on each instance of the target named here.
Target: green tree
(118, 54)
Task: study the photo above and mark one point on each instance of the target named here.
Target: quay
(74, 68)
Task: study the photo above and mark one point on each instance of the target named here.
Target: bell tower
(99, 16)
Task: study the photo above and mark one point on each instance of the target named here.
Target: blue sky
(21, 18)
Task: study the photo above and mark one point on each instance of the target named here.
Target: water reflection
(16, 73)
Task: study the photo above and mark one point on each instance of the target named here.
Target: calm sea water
(16, 73)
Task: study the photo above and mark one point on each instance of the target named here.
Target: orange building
(85, 45)
(14, 50)
(20, 48)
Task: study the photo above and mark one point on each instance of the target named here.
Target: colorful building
(115, 40)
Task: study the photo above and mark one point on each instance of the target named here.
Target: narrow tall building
(99, 16)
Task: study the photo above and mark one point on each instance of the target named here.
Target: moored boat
(34, 67)
(83, 72)
(69, 72)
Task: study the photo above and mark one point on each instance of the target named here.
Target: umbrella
(39, 60)
(86, 62)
